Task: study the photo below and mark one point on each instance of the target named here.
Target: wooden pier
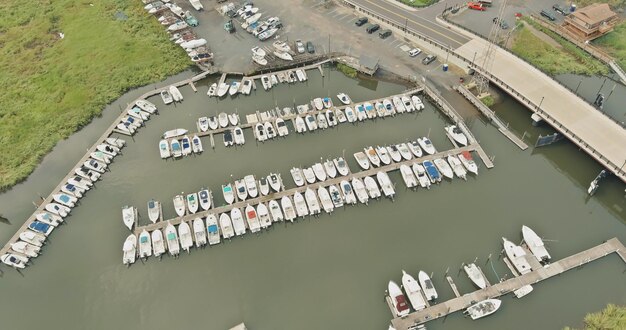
(542, 273)
(107, 133)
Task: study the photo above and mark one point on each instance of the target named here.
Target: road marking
(341, 17)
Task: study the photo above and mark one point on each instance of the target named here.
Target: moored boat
(344, 98)
(145, 244)
(427, 285)
(342, 166)
(444, 168)
(372, 187)
(362, 159)
(227, 226)
(238, 223)
(184, 233)
(385, 184)
(130, 249)
(535, 244)
(158, 244)
(517, 256)
(426, 145)
(288, 209)
(483, 308)
(312, 201)
(335, 196)
(179, 205)
(413, 291)
(252, 219)
(171, 237)
(325, 200)
(456, 134)
(420, 173)
(407, 176)
(348, 192)
(212, 229)
(164, 149)
(474, 274)
(359, 190)
(277, 214)
(398, 300)
(264, 215)
(300, 204)
(129, 216)
(330, 168)
(154, 210)
(33, 238)
(227, 191)
(468, 162)
(457, 167)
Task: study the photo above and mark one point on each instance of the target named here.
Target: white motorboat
(371, 186)
(171, 237)
(330, 118)
(227, 226)
(164, 149)
(417, 103)
(147, 106)
(483, 308)
(466, 159)
(274, 80)
(41, 227)
(108, 149)
(300, 125)
(301, 74)
(400, 305)
(408, 105)
(33, 238)
(251, 186)
(413, 291)
(184, 233)
(300, 204)
(87, 173)
(212, 90)
(432, 172)
(222, 119)
(407, 175)
(267, 34)
(288, 209)
(203, 124)
(233, 119)
(444, 168)
(362, 159)
(238, 223)
(383, 155)
(179, 205)
(174, 133)
(240, 188)
(327, 203)
(212, 229)
(270, 132)
(14, 260)
(277, 214)
(222, 89)
(186, 145)
(385, 184)
(176, 148)
(535, 244)
(341, 116)
(474, 274)
(65, 199)
(154, 210)
(398, 105)
(229, 195)
(456, 134)
(176, 94)
(158, 245)
(457, 167)
(192, 202)
(239, 137)
(166, 96)
(95, 165)
(426, 145)
(360, 112)
(427, 286)
(320, 173)
(311, 123)
(517, 256)
(101, 157)
(145, 244)
(404, 151)
(330, 169)
(80, 182)
(317, 102)
(422, 177)
(342, 166)
(72, 189)
(389, 107)
(372, 156)
(350, 115)
(259, 60)
(246, 87)
(129, 216)
(281, 46)
(369, 110)
(298, 177)
(283, 55)
(394, 153)
(234, 88)
(344, 98)
(138, 113)
(348, 193)
(126, 128)
(228, 138)
(252, 219)
(274, 181)
(264, 215)
(359, 190)
(321, 121)
(29, 250)
(264, 186)
(335, 196)
(415, 148)
(312, 202)
(265, 81)
(259, 128)
(204, 197)
(523, 291)
(327, 102)
(380, 109)
(49, 218)
(130, 249)
(281, 127)
(309, 174)
(196, 144)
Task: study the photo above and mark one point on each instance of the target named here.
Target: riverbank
(614, 43)
(611, 317)
(61, 70)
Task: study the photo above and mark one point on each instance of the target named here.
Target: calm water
(324, 273)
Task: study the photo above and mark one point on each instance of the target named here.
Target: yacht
(413, 291)
(456, 134)
(517, 256)
(400, 305)
(535, 244)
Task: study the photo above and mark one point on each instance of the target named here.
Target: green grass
(52, 87)
(418, 3)
(553, 60)
(612, 317)
(488, 101)
(348, 71)
(615, 44)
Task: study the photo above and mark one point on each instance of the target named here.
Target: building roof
(369, 62)
(594, 13)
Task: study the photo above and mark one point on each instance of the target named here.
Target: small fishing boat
(404, 151)
(129, 216)
(474, 274)
(457, 167)
(212, 229)
(432, 172)
(87, 173)
(171, 237)
(177, 150)
(385, 184)
(259, 60)
(348, 193)
(300, 204)
(166, 96)
(400, 305)
(397, 103)
(408, 105)
(360, 112)
(222, 119)
(222, 89)
(320, 173)
(179, 205)
(483, 308)
(342, 166)
(420, 173)
(407, 175)
(288, 209)
(327, 102)
(177, 26)
(360, 191)
(176, 94)
(535, 244)
(49, 218)
(274, 80)
(158, 245)
(285, 56)
(517, 256)
(269, 130)
(444, 168)
(318, 103)
(456, 134)
(277, 214)
(265, 81)
(466, 159)
(65, 199)
(301, 74)
(274, 181)
(233, 119)
(264, 186)
(26, 249)
(292, 76)
(281, 127)
(14, 260)
(371, 155)
(184, 233)
(32, 238)
(389, 107)
(240, 188)
(154, 210)
(108, 149)
(145, 244)
(259, 128)
(250, 182)
(312, 202)
(300, 125)
(426, 145)
(239, 138)
(394, 153)
(164, 149)
(311, 123)
(344, 98)
(415, 148)
(335, 196)
(234, 88)
(196, 144)
(252, 219)
(238, 223)
(144, 105)
(212, 90)
(174, 133)
(350, 115)
(282, 46)
(298, 177)
(73, 189)
(372, 187)
(380, 109)
(341, 117)
(417, 103)
(80, 182)
(228, 138)
(330, 118)
(246, 87)
(186, 145)
(369, 110)
(126, 127)
(523, 291)
(227, 226)
(413, 291)
(327, 203)
(264, 215)
(40, 227)
(309, 174)
(330, 169)
(427, 285)
(362, 159)
(227, 191)
(130, 249)
(95, 165)
(101, 157)
(321, 121)
(383, 155)
(204, 197)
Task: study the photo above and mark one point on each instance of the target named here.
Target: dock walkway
(543, 273)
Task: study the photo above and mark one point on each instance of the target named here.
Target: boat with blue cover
(432, 172)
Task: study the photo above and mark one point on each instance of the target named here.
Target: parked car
(384, 33)
(372, 28)
(361, 21)
(414, 52)
(503, 24)
(476, 6)
(300, 46)
(429, 59)
(548, 15)
(309, 47)
(559, 9)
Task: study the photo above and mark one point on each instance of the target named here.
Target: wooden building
(591, 22)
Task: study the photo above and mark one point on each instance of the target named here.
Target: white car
(414, 52)
(300, 46)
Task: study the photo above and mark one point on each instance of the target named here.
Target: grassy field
(615, 44)
(418, 3)
(612, 317)
(555, 60)
(348, 71)
(51, 87)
